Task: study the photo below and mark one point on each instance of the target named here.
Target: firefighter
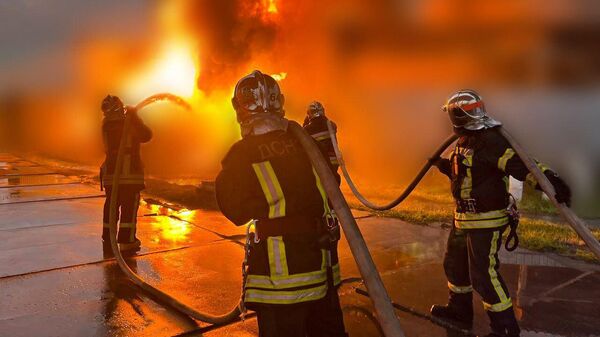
(315, 124)
(267, 179)
(479, 169)
(132, 175)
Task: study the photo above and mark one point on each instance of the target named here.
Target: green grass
(540, 228)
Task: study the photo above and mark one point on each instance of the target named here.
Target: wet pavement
(55, 279)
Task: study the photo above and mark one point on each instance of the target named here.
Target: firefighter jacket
(133, 168)
(479, 170)
(269, 178)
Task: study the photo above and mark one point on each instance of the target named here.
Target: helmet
(315, 109)
(112, 106)
(466, 110)
(257, 93)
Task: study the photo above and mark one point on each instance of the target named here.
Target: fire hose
(580, 227)
(381, 300)
(136, 279)
(408, 189)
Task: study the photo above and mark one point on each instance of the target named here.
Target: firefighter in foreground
(315, 125)
(293, 271)
(132, 176)
(479, 168)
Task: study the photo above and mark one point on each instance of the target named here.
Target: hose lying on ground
(157, 293)
(408, 189)
(379, 296)
(578, 225)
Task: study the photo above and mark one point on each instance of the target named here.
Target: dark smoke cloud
(229, 32)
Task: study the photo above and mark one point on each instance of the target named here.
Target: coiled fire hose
(382, 303)
(157, 293)
(409, 188)
(578, 225)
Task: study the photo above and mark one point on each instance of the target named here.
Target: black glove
(563, 192)
(437, 161)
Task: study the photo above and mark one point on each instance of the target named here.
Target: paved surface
(55, 279)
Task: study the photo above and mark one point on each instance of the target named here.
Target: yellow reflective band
(271, 188)
(277, 258)
(106, 225)
(460, 289)
(321, 135)
(127, 225)
(530, 179)
(333, 160)
(326, 208)
(504, 299)
(509, 153)
(285, 297)
(292, 281)
(481, 224)
(467, 183)
(337, 276)
(498, 306)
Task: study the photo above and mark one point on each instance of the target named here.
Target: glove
(563, 192)
(437, 161)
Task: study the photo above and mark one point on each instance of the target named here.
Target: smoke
(230, 33)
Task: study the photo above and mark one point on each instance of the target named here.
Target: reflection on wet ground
(55, 279)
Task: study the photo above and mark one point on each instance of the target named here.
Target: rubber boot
(458, 310)
(504, 324)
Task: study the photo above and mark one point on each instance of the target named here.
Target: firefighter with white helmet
(479, 168)
(267, 179)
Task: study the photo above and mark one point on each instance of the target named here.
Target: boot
(504, 324)
(459, 309)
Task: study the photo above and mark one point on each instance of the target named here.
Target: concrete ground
(55, 279)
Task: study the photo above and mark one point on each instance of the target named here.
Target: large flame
(174, 71)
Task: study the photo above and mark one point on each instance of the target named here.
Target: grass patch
(536, 233)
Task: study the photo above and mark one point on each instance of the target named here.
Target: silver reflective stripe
(292, 280)
(285, 297)
(277, 255)
(321, 135)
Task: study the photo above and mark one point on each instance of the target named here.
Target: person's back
(131, 181)
(268, 179)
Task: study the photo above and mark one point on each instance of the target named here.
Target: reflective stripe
(127, 225)
(326, 208)
(480, 224)
(285, 297)
(271, 188)
(337, 277)
(334, 160)
(277, 259)
(467, 182)
(509, 153)
(321, 135)
(531, 179)
(498, 306)
(505, 301)
(129, 179)
(106, 225)
(292, 281)
(460, 289)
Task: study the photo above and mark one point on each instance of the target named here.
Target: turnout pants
(127, 206)
(321, 318)
(471, 262)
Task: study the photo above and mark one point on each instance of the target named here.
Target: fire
(279, 77)
(174, 71)
(272, 7)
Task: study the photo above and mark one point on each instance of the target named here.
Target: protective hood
(263, 123)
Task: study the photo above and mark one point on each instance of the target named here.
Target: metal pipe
(379, 296)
